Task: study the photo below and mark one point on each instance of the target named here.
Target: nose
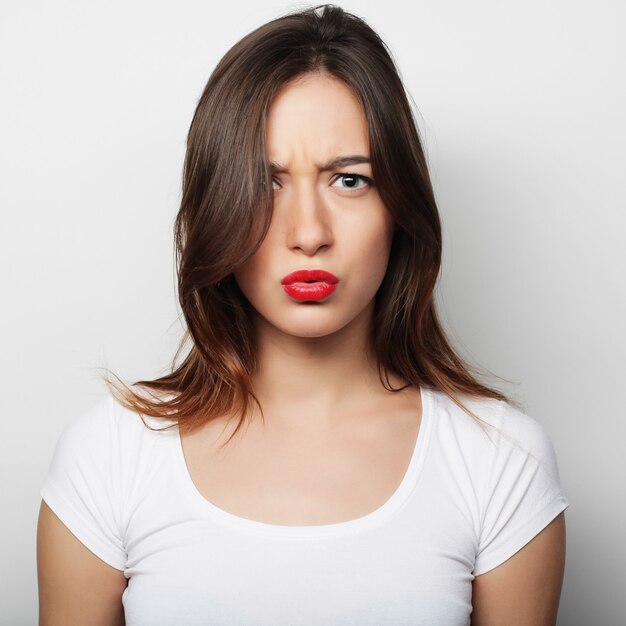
(308, 226)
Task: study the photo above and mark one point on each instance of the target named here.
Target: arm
(75, 586)
(526, 588)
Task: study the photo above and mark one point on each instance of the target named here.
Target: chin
(310, 331)
(311, 319)
(316, 328)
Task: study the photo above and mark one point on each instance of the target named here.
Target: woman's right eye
(274, 181)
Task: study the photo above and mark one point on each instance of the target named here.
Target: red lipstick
(309, 284)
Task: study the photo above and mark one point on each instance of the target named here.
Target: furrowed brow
(334, 164)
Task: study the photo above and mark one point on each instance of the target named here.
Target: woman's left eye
(352, 181)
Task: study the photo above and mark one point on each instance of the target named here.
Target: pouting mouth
(309, 290)
(307, 276)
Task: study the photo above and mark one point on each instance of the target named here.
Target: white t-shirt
(467, 502)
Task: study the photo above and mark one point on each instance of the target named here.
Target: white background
(521, 106)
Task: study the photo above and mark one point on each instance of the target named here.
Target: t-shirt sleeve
(82, 486)
(523, 493)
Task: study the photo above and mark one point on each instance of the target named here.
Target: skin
(525, 589)
(75, 586)
(315, 368)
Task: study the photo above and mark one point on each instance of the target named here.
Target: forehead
(315, 117)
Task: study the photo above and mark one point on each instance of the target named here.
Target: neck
(316, 381)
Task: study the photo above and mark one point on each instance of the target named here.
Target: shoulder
(501, 426)
(106, 429)
(502, 450)
(508, 465)
(105, 448)
(102, 421)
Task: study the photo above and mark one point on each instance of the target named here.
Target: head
(231, 194)
(236, 219)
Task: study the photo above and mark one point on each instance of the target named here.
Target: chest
(389, 576)
(412, 565)
(384, 580)
(304, 479)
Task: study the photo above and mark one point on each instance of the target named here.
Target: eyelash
(366, 179)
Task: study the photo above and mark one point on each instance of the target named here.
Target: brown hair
(226, 208)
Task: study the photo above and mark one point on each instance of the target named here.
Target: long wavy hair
(226, 208)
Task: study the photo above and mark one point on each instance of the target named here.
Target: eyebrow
(333, 164)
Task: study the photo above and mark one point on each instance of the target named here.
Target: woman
(321, 455)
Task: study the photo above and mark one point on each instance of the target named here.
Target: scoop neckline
(372, 519)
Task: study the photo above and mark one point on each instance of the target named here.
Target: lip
(306, 276)
(306, 285)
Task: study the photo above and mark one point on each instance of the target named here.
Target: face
(325, 216)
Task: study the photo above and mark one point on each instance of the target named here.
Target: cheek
(370, 259)
(252, 278)
(378, 244)
(246, 276)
